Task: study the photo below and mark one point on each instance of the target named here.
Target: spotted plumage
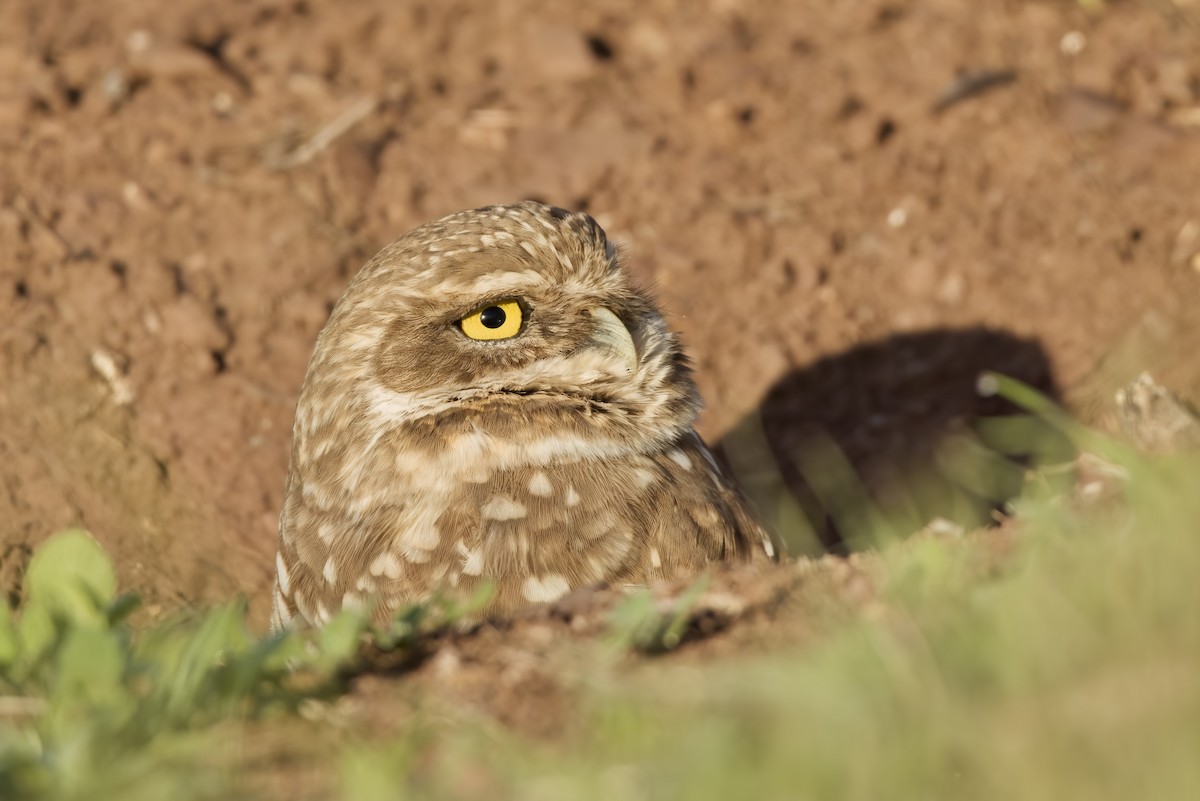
(493, 402)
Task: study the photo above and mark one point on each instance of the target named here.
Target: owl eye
(498, 321)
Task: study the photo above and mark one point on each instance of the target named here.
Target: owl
(493, 406)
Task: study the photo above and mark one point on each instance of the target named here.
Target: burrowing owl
(492, 401)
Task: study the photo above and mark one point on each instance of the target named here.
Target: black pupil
(492, 317)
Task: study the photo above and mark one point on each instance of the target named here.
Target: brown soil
(844, 219)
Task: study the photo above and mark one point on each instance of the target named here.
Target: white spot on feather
(316, 495)
(705, 516)
(540, 485)
(422, 534)
(415, 555)
(386, 564)
(655, 559)
(680, 458)
(472, 560)
(281, 573)
(545, 589)
(643, 477)
(301, 604)
(279, 608)
(572, 497)
(330, 571)
(500, 507)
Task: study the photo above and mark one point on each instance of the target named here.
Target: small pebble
(1073, 43)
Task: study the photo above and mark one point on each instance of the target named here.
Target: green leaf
(631, 618)
(91, 667)
(70, 576)
(36, 634)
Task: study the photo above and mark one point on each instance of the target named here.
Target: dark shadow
(897, 425)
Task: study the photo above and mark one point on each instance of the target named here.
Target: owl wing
(696, 515)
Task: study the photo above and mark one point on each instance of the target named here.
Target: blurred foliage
(641, 623)
(91, 708)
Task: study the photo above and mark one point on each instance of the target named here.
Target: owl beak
(610, 335)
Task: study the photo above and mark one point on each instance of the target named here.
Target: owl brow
(506, 280)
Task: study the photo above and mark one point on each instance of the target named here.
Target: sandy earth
(848, 209)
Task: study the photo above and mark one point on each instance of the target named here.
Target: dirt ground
(848, 209)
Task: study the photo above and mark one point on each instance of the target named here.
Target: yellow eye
(499, 321)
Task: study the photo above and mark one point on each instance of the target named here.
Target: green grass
(94, 709)
(1067, 668)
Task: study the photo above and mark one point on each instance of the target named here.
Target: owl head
(510, 321)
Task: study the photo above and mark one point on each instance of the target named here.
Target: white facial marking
(584, 367)
(545, 589)
(540, 485)
(281, 573)
(500, 507)
(513, 282)
(386, 564)
(467, 454)
(680, 458)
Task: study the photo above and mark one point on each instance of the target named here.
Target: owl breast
(518, 535)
